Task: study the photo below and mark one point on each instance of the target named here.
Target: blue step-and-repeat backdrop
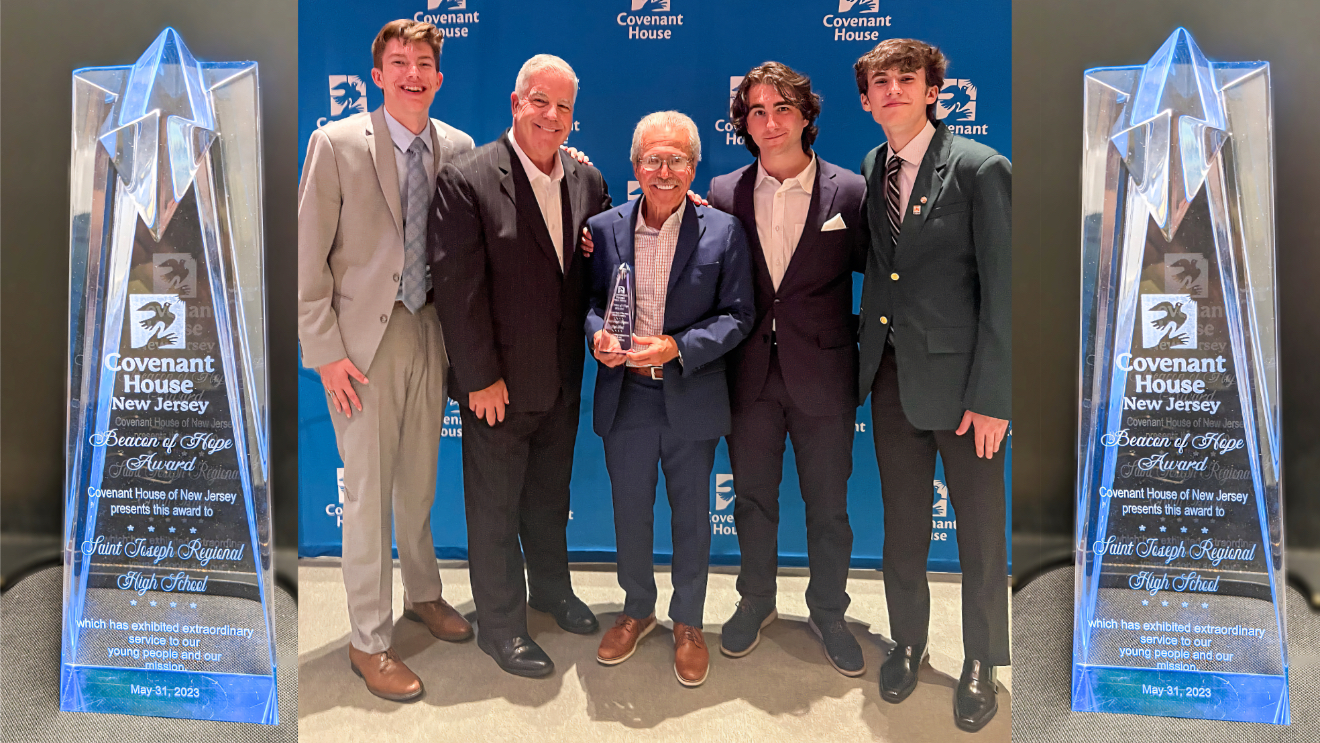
(634, 57)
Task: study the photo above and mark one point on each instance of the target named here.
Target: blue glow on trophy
(168, 562)
(1179, 522)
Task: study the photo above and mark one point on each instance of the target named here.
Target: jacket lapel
(930, 180)
(689, 234)
(821, 205)
(515, 180)
(442, 146)
(744, 208)
(381, 148)
(625, 227)
(573, 181)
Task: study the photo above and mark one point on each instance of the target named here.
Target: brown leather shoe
(621, 640)
(443, 620)
(386, 675)
(691, 658)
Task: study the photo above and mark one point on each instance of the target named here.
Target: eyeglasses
(676, 163)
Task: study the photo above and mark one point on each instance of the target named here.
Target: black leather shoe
(570, 614)
(519, 656)
(898, 674)
(975, 703)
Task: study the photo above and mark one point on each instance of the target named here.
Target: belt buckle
(653, 369)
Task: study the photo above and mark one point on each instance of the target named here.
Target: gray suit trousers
(390, 449)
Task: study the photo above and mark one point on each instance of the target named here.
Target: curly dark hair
(907, 55)
(792, 85)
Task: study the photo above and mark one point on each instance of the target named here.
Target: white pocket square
(835, 223)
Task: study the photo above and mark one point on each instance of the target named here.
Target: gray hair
(541, 63)
(672, 119)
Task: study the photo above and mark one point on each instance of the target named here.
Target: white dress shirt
(781, 213)
(403, 139)
(546, 188)
(912, 155)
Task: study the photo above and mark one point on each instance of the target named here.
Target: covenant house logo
(174, 273)
(957, 106)
(348, 96)
(156, 321)
(450, 16)
(721, 518)
(853, 19)
(724, 126)
(940, 522)
(1186, 272)
(336, 510)
(1168, 321)
(649, 19)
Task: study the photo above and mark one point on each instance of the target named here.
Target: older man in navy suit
(666, 401)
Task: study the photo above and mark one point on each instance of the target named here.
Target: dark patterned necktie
(891, 197)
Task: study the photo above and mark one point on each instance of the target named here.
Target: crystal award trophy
(1180, 579)
(168, 569)
(621, 309)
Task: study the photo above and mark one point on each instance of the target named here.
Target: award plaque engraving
(168, 563)
(620, 313)
(1179, 522)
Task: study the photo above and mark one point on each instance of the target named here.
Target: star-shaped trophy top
(164, 125)
(1172, 127)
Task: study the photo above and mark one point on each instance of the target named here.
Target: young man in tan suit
(367, 324)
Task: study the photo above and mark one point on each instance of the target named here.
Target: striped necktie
(414, 230)
(895, 210)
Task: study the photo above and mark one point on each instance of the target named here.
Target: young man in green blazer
(935, 338)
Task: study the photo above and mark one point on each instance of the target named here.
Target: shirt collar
(915, 151)
(403, 138)
(675, 219)
(806, 180)
(533, 172)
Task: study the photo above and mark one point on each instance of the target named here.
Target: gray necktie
(414, 230)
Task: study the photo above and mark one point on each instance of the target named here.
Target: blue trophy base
(1205, 695)
(229, 697)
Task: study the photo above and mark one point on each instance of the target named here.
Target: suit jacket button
(384, 318)
(884, 320)
(893, 276)
(396, 278)
(776, 301)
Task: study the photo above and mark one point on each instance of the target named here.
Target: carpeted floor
(785, 690)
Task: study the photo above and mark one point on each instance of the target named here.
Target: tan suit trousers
(390, 451)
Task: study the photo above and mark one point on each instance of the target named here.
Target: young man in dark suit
(510, 289)
(794, 376)
(935, 358)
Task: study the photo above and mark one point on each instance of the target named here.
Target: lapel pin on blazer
(916, 209)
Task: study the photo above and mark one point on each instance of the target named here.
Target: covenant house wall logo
(348, 96)
(634, 190)
(721, 518)
(336, 510)
(940, 522)
(649, 19)
(957, 106)
(724, 126)
(854, 18)
(451, 16)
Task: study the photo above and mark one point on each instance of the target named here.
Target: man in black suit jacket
(935, 358)
(511, 296)
(795, 374)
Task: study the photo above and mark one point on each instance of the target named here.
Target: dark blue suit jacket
(811, 311)
(708, 311)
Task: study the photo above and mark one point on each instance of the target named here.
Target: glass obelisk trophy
(1180, 578)
(620, 313)
(168, 570)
